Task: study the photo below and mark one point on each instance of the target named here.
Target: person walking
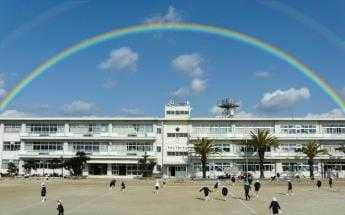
(318, 184)
(246, 190)
(112, 184)
(156, 187)
(224, 193)
(206, 191)
(43, 192)
(233, 180)
(274, 206)
(60, 208)
(123, 186)
(289, 192)
(257, 186)
(330, 182)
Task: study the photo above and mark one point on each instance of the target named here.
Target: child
(224, 192)
(318, 184)
(289, 188)
(246, 190)
(156, 187)
(123, 186)
(59, 208)
(330, 182)
(112, 184)
(274, 206)
(257, 187)
(216, 185)
(43, 192)
(206, 193)
(233, 180)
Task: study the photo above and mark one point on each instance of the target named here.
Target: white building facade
(115, 145)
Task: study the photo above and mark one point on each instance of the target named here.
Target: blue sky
(138, 74)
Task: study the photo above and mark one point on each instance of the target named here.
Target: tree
(12, 169)
(262, 140)
(29, 165)
(76, 164)
(311, 150)
(204, 147)
(146, 166)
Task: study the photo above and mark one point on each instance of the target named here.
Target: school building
(115, 145)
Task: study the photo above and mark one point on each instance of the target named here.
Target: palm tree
(204, 147)
(311, 150)
(262, 140)
(29, 165)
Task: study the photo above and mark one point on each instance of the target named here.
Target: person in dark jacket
(257, 186)
(206, 191)
(60, 208)
(224, 193)
(250, 179)
(246, 190)
(43, 192)
(289, 188)
(123, 186)
(274, 206)
(216, 185)
(318, 184)
(112, 184)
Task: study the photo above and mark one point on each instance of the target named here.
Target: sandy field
(93, 197)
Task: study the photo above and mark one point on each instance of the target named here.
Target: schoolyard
(92, 196)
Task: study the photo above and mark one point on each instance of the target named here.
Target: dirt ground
(92, 196)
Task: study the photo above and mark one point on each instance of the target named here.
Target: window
(80, 128)
(159, 130)
(133, 129)
(159, 148)
(139, 147)
(42, 128)
(298, 129)
(251, 149)
(47, 146)
(334, 129)
(291, 147)
(177, 153)
(11, 146)
(295, 167)
(88, 146)
(214, 129)
(177, 134)
(254, 166)
(222, 147)
(12, 128)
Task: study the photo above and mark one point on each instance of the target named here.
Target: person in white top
(157, 185)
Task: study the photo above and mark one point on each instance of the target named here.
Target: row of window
(239, 166)
(139, 147)
(11, 146)
(177, 134)
(172, 153)
(177, 112)
(4, 163)
(128, 169)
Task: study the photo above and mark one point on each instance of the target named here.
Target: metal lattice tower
(228, 106)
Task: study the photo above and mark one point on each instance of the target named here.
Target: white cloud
(121, 59)
(335, 113)
(170, 16)
(181, 92)
(132, 111)
(15, 114)
(263, 74)
(198, 85)
(79, 108)
(189, 64)
(283, 99)
(109, 84)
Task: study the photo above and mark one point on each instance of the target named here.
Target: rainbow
(188, 27)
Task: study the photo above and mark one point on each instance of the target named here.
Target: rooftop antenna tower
(228, 107)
